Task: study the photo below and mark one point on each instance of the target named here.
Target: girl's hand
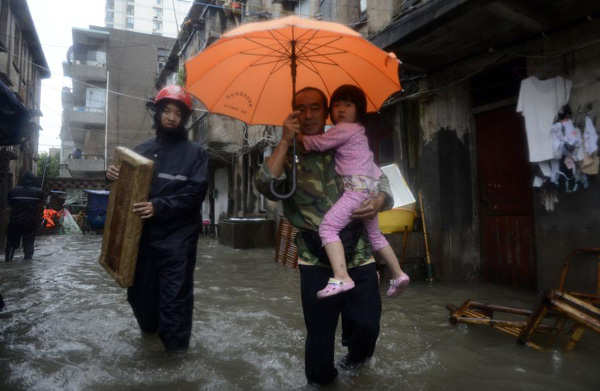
(369, 208)
(300, 144)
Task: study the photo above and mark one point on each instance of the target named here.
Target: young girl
(360, 176)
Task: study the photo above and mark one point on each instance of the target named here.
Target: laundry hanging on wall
(539, 102)
(591, 162)
(564, 154)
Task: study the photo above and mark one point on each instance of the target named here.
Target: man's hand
(369, 208)
(291, 127)
(112, 174)
(143, 209)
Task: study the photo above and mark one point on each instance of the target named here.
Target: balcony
(67, 97)
(85, 70)
(85, 116)
(86, 167)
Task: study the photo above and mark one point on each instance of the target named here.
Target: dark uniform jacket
(24, 200)
(178, 188)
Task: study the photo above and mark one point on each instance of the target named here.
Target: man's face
(170, 117)
(312, 112)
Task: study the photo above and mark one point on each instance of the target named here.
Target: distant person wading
(24, 200)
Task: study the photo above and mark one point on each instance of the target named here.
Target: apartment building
(94, 123)
(22, 68)
(158, 17)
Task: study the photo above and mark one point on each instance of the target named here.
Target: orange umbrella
(246, 73)
(252, 72)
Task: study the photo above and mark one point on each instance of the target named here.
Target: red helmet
(175, 93)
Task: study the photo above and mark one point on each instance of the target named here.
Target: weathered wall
(380, 13)
(445, 174)
(575, 222)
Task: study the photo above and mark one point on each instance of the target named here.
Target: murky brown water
(67, 325)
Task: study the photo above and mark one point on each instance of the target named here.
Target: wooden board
(123, 229)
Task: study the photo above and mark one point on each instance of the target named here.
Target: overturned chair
(541, 327)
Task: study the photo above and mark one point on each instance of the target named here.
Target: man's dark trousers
(13, 239)
(361, 312)
(162, 297)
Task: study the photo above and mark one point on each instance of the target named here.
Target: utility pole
(106, 122)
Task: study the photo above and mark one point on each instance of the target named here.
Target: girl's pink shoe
(398, 286)
(334, 287)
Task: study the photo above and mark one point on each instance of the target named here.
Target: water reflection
(67, 325)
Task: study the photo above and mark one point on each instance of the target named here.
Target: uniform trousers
(13, 239)
(162, 297)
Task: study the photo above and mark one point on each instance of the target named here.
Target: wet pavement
(67, 325)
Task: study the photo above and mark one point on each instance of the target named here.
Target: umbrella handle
(293, 190)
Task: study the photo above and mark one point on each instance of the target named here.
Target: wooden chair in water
(548, 318)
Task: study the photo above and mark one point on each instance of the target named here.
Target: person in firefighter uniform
(162, 293)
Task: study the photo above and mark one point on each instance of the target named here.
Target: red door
(505, 187)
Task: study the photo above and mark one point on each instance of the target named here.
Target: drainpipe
(106, 122)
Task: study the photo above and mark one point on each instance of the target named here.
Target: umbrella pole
(293, 66)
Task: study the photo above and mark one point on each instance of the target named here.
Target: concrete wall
(221, 181)
(132, 64)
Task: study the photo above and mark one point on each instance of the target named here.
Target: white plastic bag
(69, 226)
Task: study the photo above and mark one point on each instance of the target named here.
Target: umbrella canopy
(251, 72)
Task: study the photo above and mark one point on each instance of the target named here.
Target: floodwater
(67, 325)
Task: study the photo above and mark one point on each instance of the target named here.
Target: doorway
(506, 198)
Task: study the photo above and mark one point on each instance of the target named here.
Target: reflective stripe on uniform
(172, 177)
(25, 198)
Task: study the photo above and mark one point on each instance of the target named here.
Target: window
(302, 8)
(110, 17)
(110, 25)
(130, 10)
(110, 4)
(25, 61)
(156, 26)
(157, 13)
(159, 2)
(130, 22)
(163, 56)
(17, 47)
(4, 24)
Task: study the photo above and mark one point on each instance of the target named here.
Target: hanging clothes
(539, 102)
(590, 164)
(591, 161)
(558, 140)
(590, 137)
(550, 169)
